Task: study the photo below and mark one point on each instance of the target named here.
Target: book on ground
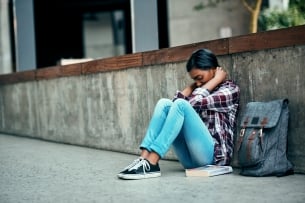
(208, 170)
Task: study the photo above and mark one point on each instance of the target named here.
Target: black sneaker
(135, 162)
(144, 169)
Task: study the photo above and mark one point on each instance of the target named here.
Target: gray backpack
(262, 143)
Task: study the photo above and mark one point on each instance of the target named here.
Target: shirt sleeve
(179, 95)
(221, 99)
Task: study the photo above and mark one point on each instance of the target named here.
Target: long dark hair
(203, 59)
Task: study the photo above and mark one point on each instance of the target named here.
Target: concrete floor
(38, 171)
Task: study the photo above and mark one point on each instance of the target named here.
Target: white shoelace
(143, 163)
(135, 162)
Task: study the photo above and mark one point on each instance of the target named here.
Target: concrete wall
(111, 109)
(187, 25)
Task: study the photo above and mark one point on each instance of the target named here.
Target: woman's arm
(221, 99)
(219, 77)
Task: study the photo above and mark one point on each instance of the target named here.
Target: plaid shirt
(218, 110)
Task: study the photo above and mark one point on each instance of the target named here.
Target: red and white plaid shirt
(218, 110)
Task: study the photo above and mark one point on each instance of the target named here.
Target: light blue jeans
(177, 124)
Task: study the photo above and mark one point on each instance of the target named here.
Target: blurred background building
(37, 34)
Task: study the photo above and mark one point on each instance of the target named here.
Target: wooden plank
(122, 62)
(48, 73)
(17, 77)
(71, 70)
(113, 63)
(94, 66)
(268, 40)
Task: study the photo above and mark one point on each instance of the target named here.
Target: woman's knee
(165, 102)
(181, 102)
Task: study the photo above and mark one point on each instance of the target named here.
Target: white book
(208, 170)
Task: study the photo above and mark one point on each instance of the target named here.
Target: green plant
(263, 19)
(276, 19)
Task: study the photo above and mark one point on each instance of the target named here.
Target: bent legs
(179, 124)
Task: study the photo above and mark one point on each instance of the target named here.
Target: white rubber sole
(138, 176)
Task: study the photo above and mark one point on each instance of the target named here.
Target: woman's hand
(189, 89)
(220, 74)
